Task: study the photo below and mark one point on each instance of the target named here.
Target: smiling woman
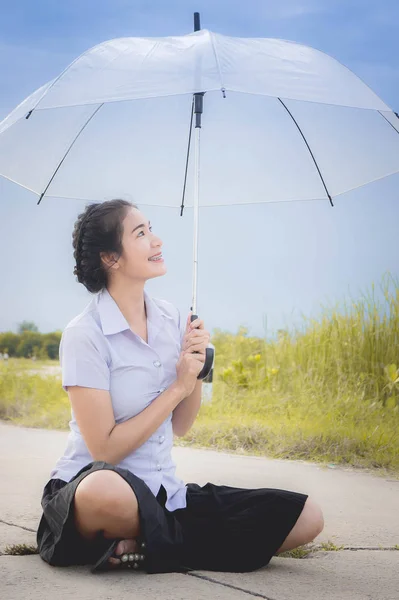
(106, 238)
(130, 366)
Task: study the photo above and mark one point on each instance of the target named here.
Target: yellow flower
(237, 365)
(227, 372)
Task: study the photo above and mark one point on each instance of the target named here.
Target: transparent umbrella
(280, 122)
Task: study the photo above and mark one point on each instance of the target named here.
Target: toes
(120, 548)
(125, 547)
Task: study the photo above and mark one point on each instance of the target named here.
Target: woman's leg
(105, 502)
(309, 525)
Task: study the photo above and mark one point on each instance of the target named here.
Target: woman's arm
(105, 439)
(185, 413)
(92, 405)
(112, 442)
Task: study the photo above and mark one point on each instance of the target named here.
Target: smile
(157, 258)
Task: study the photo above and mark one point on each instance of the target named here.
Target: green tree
(27, 326)
(9, 342)
(50, 344)
(28, 341)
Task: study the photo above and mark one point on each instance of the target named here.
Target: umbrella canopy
(282, 122)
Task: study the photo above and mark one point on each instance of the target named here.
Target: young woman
(130, 367)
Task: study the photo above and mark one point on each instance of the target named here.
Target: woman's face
(139, 258)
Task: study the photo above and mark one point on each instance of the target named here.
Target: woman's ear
(110, 261)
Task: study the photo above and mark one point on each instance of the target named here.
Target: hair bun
(98, 229)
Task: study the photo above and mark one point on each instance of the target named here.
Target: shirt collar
(113, 321)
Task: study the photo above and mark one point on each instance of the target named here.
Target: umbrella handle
(207, 370)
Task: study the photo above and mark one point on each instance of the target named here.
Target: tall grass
(329, 391)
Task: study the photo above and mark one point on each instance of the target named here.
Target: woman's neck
(131, 303)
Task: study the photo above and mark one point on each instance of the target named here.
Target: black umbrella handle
(209, 356)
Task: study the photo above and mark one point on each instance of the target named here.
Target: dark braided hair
(98, 229)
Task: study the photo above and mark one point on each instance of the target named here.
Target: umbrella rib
(388, 121)
(311, 153)
(67, 152)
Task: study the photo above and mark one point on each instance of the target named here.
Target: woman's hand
(188, 367)
(196, 338)
(193, 353)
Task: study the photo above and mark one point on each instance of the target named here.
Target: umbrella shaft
(196, 216)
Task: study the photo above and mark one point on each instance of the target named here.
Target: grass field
(326, 392)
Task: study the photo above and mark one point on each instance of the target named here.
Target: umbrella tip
(197, 23)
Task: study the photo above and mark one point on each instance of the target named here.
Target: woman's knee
(308, 526)
(311, 519)
(105, 495)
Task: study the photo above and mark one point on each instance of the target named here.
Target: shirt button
(161, 439)
(157, 363)
(159, 468)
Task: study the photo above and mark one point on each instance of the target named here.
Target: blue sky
(277, 261)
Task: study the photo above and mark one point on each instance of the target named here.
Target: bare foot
(124, 547)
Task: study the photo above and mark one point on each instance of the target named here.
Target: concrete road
(360, 510)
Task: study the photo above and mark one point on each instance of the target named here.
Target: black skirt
(222, 528)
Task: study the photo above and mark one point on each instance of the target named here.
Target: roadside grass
(21, 550)
(30, 399)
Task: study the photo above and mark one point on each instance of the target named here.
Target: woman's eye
(142, 231)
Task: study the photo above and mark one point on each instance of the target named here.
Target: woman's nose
(156, 241)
